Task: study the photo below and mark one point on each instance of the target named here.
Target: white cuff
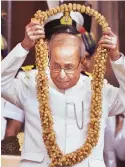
(121, 60)
(21, 50)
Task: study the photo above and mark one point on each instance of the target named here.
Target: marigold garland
(56, 155)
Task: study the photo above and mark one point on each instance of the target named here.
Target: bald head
(65, 40)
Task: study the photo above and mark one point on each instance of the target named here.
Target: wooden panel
(22, 12)
(122, 26)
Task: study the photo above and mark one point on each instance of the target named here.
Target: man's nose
(62, 74)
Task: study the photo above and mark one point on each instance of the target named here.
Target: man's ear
(81, 66)
(83, 59)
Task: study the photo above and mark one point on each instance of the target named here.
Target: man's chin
(64, 85)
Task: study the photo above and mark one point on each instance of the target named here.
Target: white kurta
(67, 122)
(9, 110)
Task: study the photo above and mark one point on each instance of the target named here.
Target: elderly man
(69, 91)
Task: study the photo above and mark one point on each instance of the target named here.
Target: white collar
(75, 87)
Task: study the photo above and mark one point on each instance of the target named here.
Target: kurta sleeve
(13, 112)
(13, 90)
(116, 96)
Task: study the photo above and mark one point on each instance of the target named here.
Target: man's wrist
(25, 46)
(115, 56)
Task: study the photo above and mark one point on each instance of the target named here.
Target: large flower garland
(56, 155)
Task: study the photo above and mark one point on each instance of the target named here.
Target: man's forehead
(66, 53)
(65, 58)
(65, 38)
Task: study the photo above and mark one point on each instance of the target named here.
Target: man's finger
(112, 34)
(107, 46)
(109, 33)
(107, 30)
(34, 23)
(34, 28)
(31, 25)
(36, 37)
(108, 37)
(108, 41)
(35, 33)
